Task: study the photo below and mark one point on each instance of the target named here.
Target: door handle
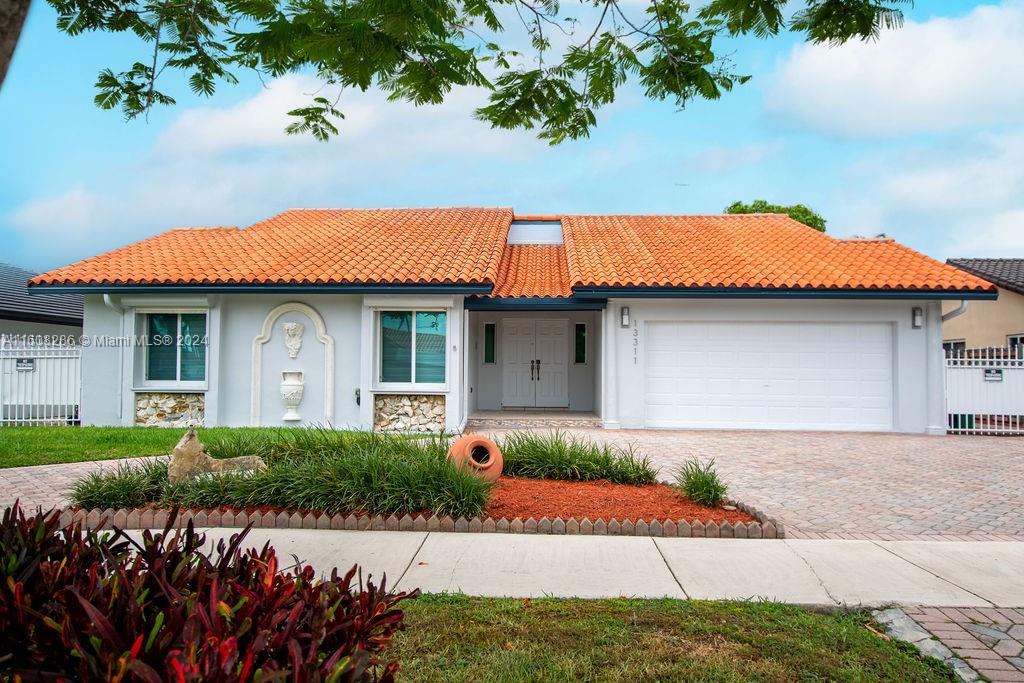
(531, 370)
(538, 369)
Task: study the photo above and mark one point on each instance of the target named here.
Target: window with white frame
(175, 348)
(954, 347)
(413, 347)
(1015, 341)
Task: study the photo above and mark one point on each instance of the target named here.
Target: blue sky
(920, 136)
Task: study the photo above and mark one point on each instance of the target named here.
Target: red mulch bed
(524, 498)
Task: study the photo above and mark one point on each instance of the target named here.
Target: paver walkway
(871, 486)
(972, 640)
(990, 640)
(48, 486)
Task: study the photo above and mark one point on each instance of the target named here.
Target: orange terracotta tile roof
(742, 251)
(468, 246)
(309, 246)
(532, 270)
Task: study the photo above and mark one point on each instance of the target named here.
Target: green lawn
(457, 638)
(21, 446)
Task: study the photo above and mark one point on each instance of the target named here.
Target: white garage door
(827, 376)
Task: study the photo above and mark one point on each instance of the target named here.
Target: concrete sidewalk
(805, 572)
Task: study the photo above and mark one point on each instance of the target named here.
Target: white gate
(40, 381)
(985, 391)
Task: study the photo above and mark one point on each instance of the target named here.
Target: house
(998, 323)
(424, 319)
(44, 314)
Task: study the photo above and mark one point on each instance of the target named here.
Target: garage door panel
(769, 375)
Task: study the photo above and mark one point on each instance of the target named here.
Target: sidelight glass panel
(489, 332)
(430, 346)
(161, 348)
(580, 351)
(396, 346)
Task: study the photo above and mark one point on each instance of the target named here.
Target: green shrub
(79, 605)
(700, 482)
(314, 469)
(555, 456)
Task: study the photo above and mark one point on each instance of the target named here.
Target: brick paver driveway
(860, 485)
(835, 484)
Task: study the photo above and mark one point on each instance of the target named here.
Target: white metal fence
(985, 391)
(40, 381)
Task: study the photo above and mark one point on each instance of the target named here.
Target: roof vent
(535, 231)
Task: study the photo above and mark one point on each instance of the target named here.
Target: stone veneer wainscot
(170, 409)
(408, 412)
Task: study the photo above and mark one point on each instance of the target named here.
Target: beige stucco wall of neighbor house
(986, 323)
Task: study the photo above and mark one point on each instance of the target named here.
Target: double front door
(535, 368)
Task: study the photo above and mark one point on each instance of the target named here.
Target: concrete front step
(532, 421)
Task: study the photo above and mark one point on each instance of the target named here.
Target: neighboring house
(39, 313)
(997, 323)
(422, 318)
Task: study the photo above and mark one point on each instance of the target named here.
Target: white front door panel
(535, 363)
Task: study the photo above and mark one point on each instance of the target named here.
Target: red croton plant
(77, 604)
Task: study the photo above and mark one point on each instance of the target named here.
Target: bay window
(413, 347)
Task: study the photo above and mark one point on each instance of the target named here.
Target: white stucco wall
(917, 354)
(612, 380)
(112, 376)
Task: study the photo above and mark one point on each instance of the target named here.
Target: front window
(1015, 341)
(954, 347)
(412, 347)
(176, 347)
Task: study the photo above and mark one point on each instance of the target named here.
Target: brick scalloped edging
(764, 527)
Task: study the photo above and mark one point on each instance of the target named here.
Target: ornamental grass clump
(312, 469)
(700, 482)
(557, 456)
(84, 605)
(129, 486)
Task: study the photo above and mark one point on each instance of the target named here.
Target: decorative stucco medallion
(293, 338)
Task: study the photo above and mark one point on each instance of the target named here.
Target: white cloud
(235, 165)
(999, 236)
(77, 209)
(953, 200)
(936, 75)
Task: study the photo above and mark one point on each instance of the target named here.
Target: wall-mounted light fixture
(624, 312)
(917, 317)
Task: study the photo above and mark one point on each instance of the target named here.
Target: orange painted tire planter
(479, 454)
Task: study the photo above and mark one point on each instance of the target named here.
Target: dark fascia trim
(535, 304)
(263, 289)
(762, 293)
(40, 318)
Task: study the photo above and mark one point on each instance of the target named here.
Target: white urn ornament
(291, 394)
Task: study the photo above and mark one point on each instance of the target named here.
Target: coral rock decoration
(190, 458)
(409, 413)
(481, 455)
(169, 409)
(293, 338)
